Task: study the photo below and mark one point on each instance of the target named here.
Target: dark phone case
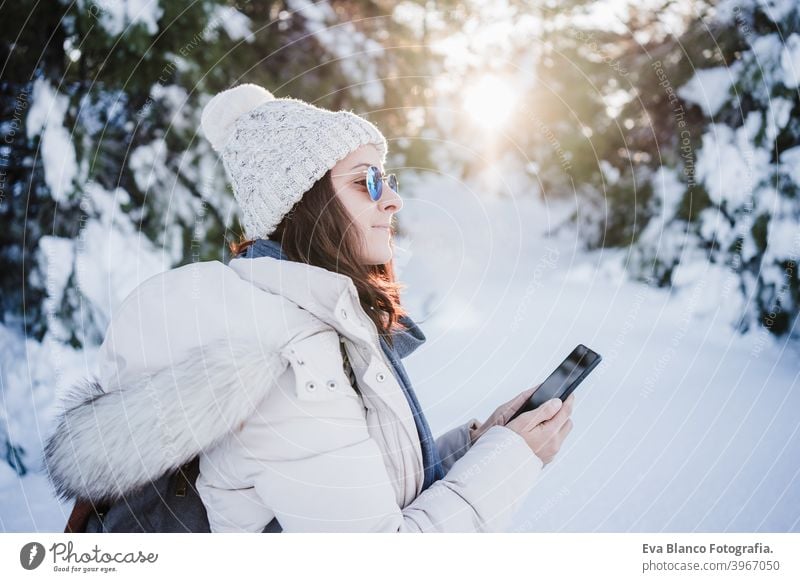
(534, 402)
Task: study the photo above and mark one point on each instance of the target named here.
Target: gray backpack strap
(348, 369)
(273, 527)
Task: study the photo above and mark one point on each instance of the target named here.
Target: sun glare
(490, 101)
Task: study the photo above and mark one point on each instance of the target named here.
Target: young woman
(282, 369)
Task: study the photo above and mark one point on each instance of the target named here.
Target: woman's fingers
(562, 416)
(543, 414)
(520, 398)
(510, 407)
(554, 436)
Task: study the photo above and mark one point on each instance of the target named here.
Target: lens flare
(490, 101)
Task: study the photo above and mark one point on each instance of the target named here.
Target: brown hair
(315, 231)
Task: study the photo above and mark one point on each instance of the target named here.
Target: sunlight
(490, 101)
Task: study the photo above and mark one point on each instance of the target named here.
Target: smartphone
(564, 379)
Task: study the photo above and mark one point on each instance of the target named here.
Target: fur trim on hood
(107, 444)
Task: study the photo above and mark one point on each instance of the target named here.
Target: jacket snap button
(331, 385)
(311, 386)
(381, 376)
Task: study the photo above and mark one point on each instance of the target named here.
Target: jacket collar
(322, 292)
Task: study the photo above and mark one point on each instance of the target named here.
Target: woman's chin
(380, 257)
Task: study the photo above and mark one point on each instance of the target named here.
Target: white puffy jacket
(242, 364)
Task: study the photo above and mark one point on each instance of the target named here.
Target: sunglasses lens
(393, 183)
(374, 182)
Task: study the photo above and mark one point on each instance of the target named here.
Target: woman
(282, 370)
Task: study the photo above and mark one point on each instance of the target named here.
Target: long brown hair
(315, 231)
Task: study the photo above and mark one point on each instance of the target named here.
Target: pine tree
(734, 214)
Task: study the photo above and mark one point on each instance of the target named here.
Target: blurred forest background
(673, 125)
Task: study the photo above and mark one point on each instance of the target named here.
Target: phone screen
(564, 379)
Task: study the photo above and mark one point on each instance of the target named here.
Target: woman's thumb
(550, 408)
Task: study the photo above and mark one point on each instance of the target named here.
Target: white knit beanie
(273, 150)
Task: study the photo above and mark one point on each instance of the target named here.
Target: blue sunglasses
(375, 182)
(375, 179)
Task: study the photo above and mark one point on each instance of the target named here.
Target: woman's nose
(390, 200)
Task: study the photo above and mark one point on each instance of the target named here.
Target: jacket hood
(109, 443)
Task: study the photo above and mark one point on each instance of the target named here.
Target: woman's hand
(546, 427)
(502, 414)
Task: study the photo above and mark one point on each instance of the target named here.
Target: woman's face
(372, 218)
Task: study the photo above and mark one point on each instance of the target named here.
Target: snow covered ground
(684, 427)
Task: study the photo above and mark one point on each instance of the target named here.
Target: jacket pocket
(318, 368)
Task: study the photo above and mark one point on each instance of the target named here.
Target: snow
(174, 99)
(783, 238)
(111, 266)
(714, 226)
(790, 61)
(729, 11)
(179, 206)
(610, 173)
(46, 117)
(669, 191)
(709, 88)
(115, 16)
(113, 258)
(235, 24)
(762, 70)
(411, 15)
(768, 49)
(57, 258)
(148, 164)
(356, 53)
(32, 376)
(610, 15)
(790, 163)
(778, 116)
(685, 426)
(730, 165)
(777, 10)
